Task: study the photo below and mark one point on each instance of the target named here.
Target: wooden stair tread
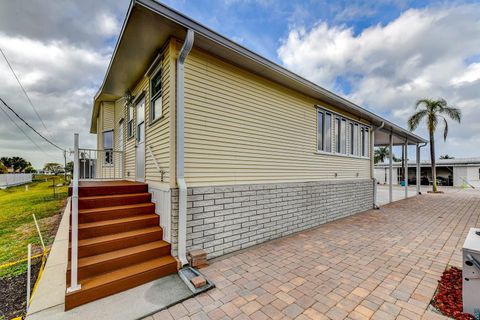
(99, 258)
(126, 272)
(111, 183)
(109, 196)
(120, 243)
(126, 206)
(116, 221)
(117, 236)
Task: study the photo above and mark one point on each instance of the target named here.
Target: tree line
(20, 165)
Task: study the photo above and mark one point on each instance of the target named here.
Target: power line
(26, 94)
(23, 131)
(28, 125)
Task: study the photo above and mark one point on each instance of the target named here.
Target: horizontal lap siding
(130, 144)
(119, 114)
(242, 128)
(158, 133)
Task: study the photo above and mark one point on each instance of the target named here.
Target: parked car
(441, 181)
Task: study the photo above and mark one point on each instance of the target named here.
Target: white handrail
(162, 172)
(74, 286)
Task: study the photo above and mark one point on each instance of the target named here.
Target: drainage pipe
(372, 165)
(182, 185)
(405, 168)
(419, 146)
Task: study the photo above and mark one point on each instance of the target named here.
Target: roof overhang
(149, 24)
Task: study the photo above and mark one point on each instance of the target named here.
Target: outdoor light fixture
(128, 97)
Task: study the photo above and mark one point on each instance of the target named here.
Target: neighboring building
(235, 149)
(450, 172)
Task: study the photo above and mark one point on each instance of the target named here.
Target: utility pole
(65, 165)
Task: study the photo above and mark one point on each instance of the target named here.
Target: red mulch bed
(448, 299)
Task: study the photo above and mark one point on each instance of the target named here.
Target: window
(341, 135)
(130, 121)
(351, 137)
(357, 139)
(338, 131)
(324, 134)
(320, 133)
(121, 132)
(364, 141)
(156, 96)
(328, 132)
(141, 120)
(108, 146)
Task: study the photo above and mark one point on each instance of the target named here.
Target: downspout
(372, 166)
(182, 185)
(419, 167)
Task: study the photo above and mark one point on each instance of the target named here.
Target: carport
(389, 135)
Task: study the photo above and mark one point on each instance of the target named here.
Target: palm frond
(453, 113)
(414, 120)
(424, 101)
(445, 130)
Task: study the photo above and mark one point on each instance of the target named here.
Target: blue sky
(382, 55)
(261, 25)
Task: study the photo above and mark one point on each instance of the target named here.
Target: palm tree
(446, 157)
(433, 111)
(380, 154)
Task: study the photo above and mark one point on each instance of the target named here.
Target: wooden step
(106, 227)
(119, 280)
(106, 262)
(98, 188)
(112, 242)
(113, 200)
(115, 212)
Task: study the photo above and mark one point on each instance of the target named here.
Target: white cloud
(422, 53)
(58, 78)
(108, 25)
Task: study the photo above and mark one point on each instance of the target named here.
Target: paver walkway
(380, 264)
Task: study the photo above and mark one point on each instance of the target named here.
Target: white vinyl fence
(14, 179)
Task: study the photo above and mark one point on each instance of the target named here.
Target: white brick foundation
(223, 219)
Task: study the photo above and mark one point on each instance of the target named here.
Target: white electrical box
(471, 272)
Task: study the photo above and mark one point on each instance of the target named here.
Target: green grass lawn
(17, 227)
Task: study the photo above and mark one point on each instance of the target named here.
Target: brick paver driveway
(380, 264)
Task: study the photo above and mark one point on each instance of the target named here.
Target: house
(235, 149)
(456, 172)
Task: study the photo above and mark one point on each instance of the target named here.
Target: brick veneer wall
(223, 219)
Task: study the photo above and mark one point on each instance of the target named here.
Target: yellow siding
(119, 115)
(108, 116)
(157, 133)
(241, 128)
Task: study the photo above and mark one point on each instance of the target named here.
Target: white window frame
(156, 98)
(357, 145)
(130, 121)
(108, 156)
(325, 144)
(121, 135)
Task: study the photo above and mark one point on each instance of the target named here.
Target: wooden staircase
(120, 242)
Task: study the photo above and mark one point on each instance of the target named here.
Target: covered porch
(409, 144)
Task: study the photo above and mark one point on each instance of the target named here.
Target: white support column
(405, 172)
(390, 170)
(74, 285)
(418, 169)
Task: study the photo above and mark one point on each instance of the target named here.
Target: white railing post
(74, 286)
